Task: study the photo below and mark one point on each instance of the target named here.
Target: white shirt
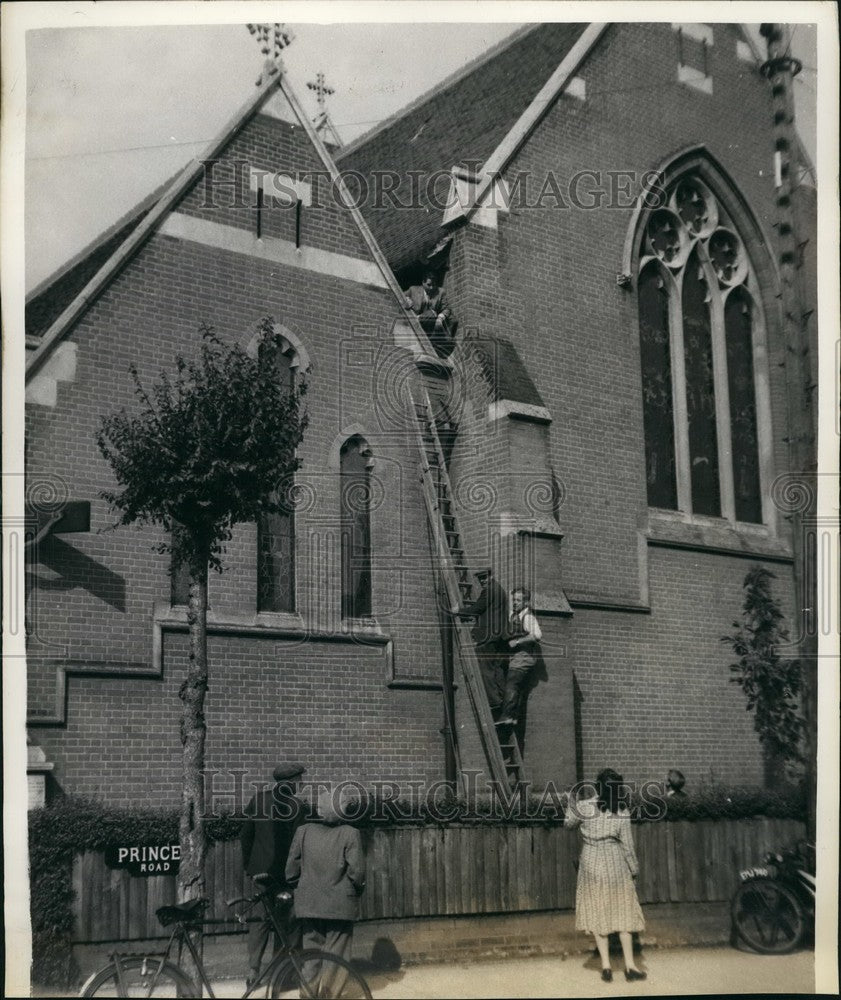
(528, 620)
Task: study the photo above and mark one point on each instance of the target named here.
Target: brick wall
(330, 704)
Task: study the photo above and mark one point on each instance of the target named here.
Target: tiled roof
(505, 372)
(459, 123)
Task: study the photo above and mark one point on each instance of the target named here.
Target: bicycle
(310, 973)
(775, 905)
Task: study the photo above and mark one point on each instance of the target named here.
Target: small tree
(771, 683)
(210, 447)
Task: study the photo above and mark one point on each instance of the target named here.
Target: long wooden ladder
(504, 760)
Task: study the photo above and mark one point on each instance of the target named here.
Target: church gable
(270, 182)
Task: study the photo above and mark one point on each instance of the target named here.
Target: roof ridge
(449, 81)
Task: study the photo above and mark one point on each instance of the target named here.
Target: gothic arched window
(355, 527)
(698, 319)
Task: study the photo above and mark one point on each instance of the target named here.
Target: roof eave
(539, 107)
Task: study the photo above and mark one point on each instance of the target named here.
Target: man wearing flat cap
(490, 609)
(271, 819)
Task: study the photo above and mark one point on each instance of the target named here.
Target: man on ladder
(490, 609)
(525, 652)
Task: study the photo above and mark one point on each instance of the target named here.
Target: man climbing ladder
(490, 610)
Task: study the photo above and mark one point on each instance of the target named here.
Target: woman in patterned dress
(606, 898)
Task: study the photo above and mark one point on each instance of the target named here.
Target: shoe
(632, 975)
(249, 982)
(607, 975)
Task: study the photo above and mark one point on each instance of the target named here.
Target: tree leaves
(771, 682)
(207, 446)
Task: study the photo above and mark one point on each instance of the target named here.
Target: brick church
(598, 203)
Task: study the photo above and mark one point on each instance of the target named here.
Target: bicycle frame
(181, 934)
(286, 952)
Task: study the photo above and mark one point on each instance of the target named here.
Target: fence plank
(567, 873)
(440, 873)
(452, 872)
(504, 861)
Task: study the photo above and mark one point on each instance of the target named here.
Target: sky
(114, 111)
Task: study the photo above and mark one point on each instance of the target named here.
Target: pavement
(671, 972)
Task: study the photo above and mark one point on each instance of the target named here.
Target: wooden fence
(431, 871)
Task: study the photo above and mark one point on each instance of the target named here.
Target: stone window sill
(677, 529)
(271, 624)
(361, 626)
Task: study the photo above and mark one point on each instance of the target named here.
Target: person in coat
(327, 864)
(429, 303)
(606, 897)
(490, 609)
(271, 819)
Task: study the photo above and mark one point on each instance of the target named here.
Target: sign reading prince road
(146, 859)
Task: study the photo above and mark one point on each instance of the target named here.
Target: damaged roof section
(460, 123)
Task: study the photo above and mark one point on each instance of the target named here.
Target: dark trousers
(335, 936)
(260, 932)
(442, 338)
(520, 668)
(492, 660)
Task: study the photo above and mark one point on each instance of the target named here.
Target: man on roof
(429, 303)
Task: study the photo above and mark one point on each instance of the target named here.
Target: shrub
(770, 682)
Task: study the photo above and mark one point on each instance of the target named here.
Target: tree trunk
(191, 832)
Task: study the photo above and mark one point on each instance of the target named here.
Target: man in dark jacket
(490, 609)
(429, 303)
(271, 819)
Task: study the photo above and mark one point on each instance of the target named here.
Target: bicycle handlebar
(283, 897)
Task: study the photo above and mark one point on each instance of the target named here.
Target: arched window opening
(698, 319)
(355, 526)
(657, 406)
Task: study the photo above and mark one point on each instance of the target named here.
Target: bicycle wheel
(767, 917)
(141, 977)
(318, 974)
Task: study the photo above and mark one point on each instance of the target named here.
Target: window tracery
(699, 317)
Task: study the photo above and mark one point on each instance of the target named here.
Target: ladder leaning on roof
(504, 760)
